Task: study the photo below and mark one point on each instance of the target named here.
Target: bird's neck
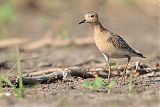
(98, 27)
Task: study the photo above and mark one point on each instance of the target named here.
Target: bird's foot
(123, 80)
(95, 74)
(106, 81)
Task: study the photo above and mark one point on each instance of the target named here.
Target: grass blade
(20, 80)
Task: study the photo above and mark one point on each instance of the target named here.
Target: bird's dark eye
(92, 15)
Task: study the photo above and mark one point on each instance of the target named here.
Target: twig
(12, 42)
(52, 74)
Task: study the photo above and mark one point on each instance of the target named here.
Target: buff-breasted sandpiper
(110, 44)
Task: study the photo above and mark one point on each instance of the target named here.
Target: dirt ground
(140, 28)
(70, 93)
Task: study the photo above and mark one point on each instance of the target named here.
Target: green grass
(98, 83)
(95, 85)
(5, 80)
(111, 86)
(1, 85)
(130, 85)
(21, 90)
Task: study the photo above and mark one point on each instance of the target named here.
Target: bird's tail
(140, 55)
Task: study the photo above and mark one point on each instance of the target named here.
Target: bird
(110, 44)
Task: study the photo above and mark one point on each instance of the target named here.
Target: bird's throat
(98, 27)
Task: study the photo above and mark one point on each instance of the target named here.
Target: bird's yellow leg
(109, 67)
(109, 72)
(124, 71)
(95, 74)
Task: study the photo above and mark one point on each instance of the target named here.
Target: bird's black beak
(83, 21)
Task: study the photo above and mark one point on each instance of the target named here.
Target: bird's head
(90, 17)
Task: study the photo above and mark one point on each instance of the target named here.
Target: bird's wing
(120, 43)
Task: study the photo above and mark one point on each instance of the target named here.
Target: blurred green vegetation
(128, 2)
(31, 18)
(7, 12)
(64, 33)
(7, 17)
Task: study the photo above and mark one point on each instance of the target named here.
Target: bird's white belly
(119, 54)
